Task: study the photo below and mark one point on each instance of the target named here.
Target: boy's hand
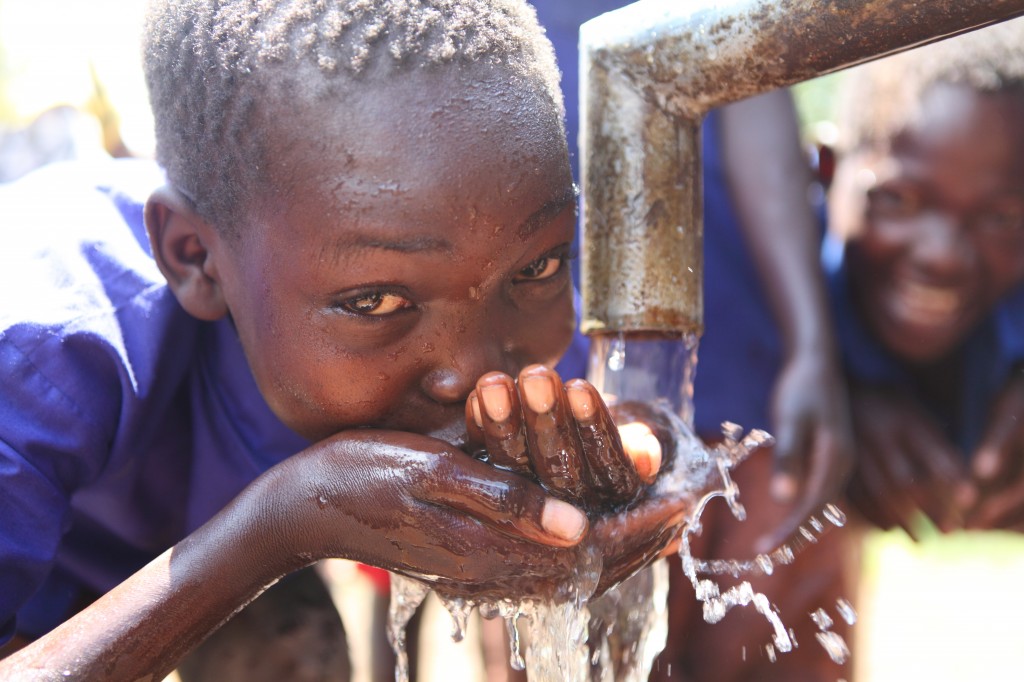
(569, 440)
(420, 507)
(904, 463)
(564, 436)
(996, 499)
(813, 441)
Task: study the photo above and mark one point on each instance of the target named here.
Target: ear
(182, 244)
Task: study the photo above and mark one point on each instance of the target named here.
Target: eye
(893, 201)
(545, 267)
(1002, 221)
(376, 304)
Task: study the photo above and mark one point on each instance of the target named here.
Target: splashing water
(618, 635)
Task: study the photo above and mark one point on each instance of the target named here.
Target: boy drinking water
(367, 215)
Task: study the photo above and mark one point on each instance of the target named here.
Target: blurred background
(946, 608)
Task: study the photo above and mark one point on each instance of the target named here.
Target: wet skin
(405, 246)
(397, 258)
(936, 228)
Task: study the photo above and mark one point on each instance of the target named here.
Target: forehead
(444, 144)
(961, 128)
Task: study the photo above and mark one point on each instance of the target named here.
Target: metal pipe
(648, 74)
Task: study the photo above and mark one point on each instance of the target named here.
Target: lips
(926, 305)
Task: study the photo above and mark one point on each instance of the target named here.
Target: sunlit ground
(950, 608)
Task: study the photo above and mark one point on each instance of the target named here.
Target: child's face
(417, 239)
(936, 225)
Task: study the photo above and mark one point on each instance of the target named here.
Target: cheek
(551, 331)
(1004, 266)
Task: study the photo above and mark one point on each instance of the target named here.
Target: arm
(769, 177)
(333, 499)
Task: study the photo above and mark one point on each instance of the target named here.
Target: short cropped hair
(882, 98)
(209, 63)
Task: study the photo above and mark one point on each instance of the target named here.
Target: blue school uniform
(124, 422)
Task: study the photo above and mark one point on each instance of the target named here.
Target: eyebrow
(545, 213)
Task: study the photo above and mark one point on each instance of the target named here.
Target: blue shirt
(124, 422)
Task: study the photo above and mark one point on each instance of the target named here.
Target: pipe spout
(648, 74)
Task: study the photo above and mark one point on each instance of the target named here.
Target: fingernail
(562, 520)
(986, 463)
(540, 394)
(581, 403)
(496, 401)
(783, 487)
(646, 455)
(475, 405)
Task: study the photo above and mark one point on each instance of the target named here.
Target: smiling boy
(367, 215)
(929, 198)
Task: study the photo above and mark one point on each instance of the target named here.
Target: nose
(467, 352)
(943, 249)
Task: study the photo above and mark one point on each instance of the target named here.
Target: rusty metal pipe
(648, 74)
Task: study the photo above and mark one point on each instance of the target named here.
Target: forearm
(144, 626)
(769, 178)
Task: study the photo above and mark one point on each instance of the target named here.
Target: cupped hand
(996, 499)
(420, 507)
(814, 446)
(904, 463)
(601, 459)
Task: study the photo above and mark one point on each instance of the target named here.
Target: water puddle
(576, 638)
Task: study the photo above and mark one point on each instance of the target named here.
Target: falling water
(575, 638)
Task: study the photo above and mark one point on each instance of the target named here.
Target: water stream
(576, 638)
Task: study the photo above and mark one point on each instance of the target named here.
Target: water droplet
(846, 611)
(617, 354)
(834, 645)
(322, 501)
(821, 619)
(807, 535)
(834, 515)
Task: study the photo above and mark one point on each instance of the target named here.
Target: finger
(884, 501)
(932, 454)
(642, 448)
(1000, 445)
(1000, 509)
(503, 500)
(475, 428)
(502, 420)
(613, 476)
(941, 475)
(554, 447)
(791, 446)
